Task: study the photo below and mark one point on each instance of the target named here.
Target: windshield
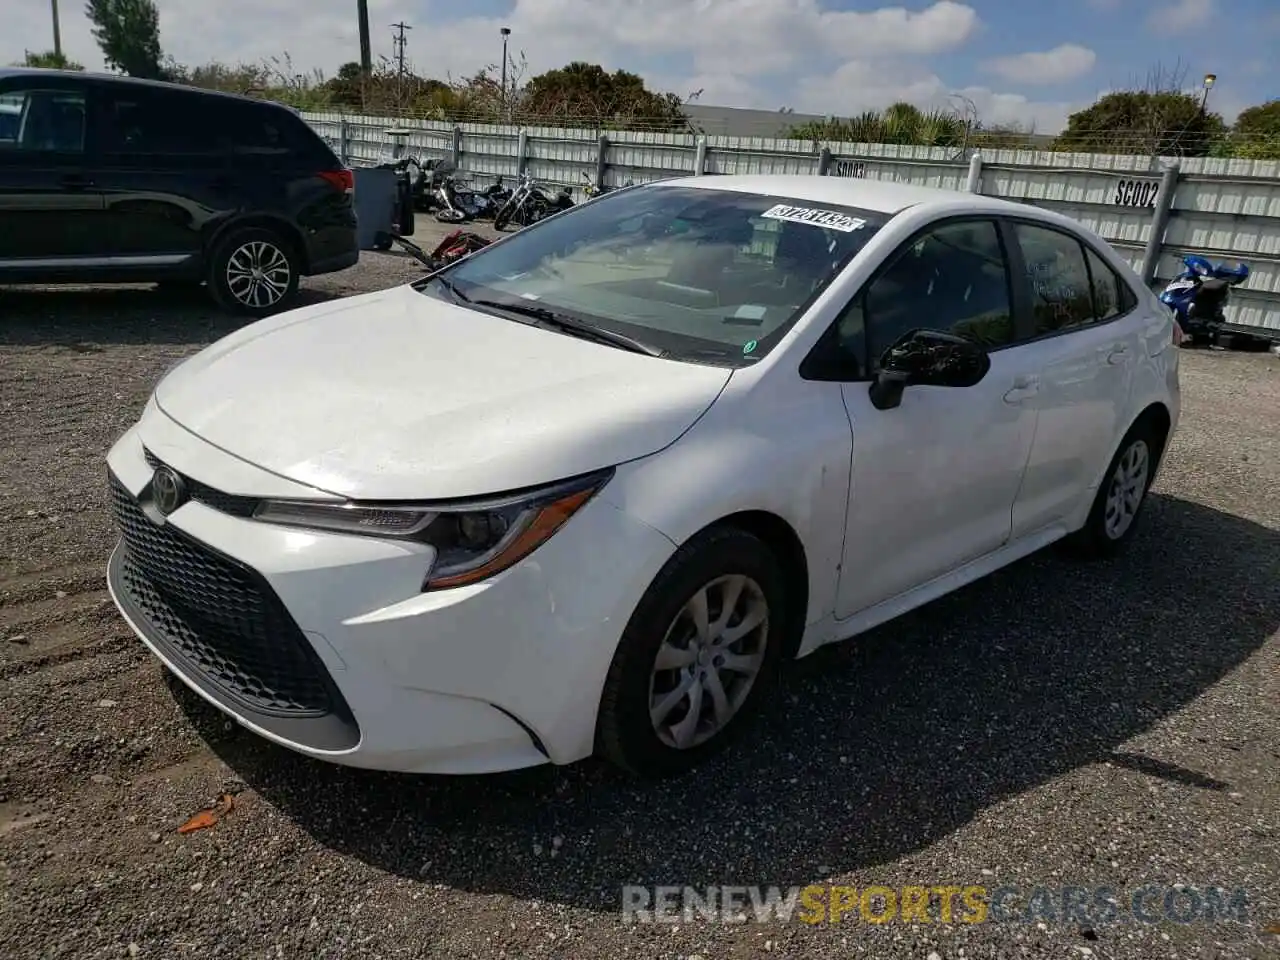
(708, 276)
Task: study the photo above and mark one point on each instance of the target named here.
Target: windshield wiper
(569, 325)
(453, 289)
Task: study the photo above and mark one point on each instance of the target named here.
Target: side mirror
(927, 358)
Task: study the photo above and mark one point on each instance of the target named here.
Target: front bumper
(326, 644)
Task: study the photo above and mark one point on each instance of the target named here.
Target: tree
(50, 60)
(1256, 133)
(587, 94)
(1165, 123)
(128, 32)
(386, 90)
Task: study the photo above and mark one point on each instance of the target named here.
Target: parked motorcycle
(1198, 296)
(529, 203)
(457, 203)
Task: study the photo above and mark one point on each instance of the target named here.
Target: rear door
(162, 171)
(1087, 340)
(50, 211)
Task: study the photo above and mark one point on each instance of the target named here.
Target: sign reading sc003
(849, 168)
(1136, 193)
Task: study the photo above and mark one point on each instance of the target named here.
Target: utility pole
(506, 113)
(57, 32)
(399, 43)
(366, 53)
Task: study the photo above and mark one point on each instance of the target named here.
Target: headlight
(473, 540)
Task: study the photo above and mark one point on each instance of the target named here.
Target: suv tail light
(343, 179)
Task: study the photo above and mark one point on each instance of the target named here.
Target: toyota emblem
(168, 491)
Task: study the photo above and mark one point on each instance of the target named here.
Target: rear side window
(42, 121)
(1061, 292)
(1111, 295)
(264, 129)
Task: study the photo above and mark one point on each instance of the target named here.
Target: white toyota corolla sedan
(583, 491)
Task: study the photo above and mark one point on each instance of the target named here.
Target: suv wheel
(254, 271)
(697, 656)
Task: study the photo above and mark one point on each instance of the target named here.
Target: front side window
(703, 275)
(1061, 293)
(44, 121)
(953, 278)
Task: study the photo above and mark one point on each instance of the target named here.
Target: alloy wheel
(258, 274)
(709, 660)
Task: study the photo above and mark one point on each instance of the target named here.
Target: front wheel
(697, 657)
(254, 271)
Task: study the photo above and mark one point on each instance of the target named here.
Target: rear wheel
(1121, 495)
(254, 271)
(697, 657)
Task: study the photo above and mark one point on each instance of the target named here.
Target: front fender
(786, 452)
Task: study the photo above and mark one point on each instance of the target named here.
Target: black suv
(114, 180)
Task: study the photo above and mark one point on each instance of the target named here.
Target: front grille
(221, 625)
(234, 504)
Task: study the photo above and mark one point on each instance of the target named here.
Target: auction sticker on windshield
(831, 219)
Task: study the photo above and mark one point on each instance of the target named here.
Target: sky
(1030, 62)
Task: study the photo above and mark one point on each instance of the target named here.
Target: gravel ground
(1113, 724)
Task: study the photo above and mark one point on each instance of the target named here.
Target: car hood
(400, 396)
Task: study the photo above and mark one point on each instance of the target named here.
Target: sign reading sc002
(1136, 193)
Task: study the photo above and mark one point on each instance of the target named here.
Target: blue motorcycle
(1198, 296)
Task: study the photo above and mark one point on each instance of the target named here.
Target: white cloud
(739, 52)
(1181, 16)
(1065, 62)
(865, 85)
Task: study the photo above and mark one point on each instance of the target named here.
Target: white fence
(1222, 209)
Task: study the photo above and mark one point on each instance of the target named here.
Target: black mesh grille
(219, 621)
(234, 504)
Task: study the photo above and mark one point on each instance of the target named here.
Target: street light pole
(506, 32)
(1209, 80)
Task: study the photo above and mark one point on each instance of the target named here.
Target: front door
(50, 209)
(1087, 345)
(935, 478)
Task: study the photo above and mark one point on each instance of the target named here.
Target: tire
(502, 217)
(710, 564)
(234, 256)
(1102, 534)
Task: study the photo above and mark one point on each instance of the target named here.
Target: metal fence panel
(1226, 209)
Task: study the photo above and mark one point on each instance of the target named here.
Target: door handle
(1024, 388)
(1117, 354)
(75, 182)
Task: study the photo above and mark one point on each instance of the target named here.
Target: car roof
(7, 72)
(880, 196)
